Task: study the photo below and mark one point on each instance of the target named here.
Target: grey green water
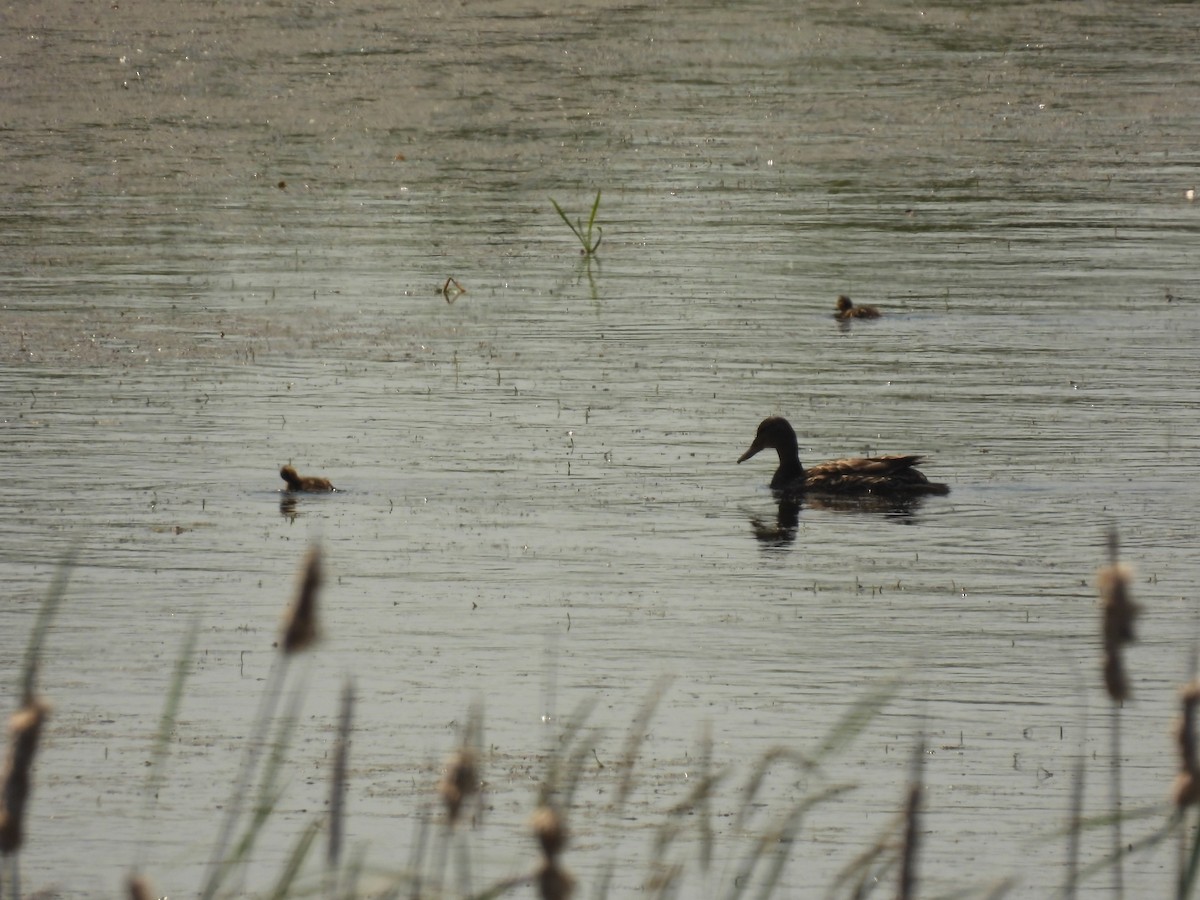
(224, 228)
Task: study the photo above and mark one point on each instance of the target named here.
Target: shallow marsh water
(224, 255)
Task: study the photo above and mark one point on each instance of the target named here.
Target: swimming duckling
(894, 475)
(310, 483)
(847, 310)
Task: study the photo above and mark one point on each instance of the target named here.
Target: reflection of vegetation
(592, 279)
(589, 247)
(451, 290)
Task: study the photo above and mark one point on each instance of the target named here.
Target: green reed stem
(337, 787)
(292, 868)
(55, 595)
(583, 234)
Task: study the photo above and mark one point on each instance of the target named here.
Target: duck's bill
(754, 448)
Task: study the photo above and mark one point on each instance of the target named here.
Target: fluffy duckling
(847, 310)
(310, 483)
(880, 475)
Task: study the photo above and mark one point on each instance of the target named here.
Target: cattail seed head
(24, 728)
(1116, 682)
(300, 626)
(1119, 612)
(550, 831)
(1186, 789)
(459, 783)
(139, 888)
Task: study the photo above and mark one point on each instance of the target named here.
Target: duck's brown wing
(864, 465)
(874, 474)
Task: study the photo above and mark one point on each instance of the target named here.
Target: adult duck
(847, 310)
(878, 475)
(309, 483)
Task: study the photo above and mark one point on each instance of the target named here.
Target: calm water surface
(224, 254)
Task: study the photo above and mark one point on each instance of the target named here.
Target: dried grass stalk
(24, 729)
(300, 627)
(908, 855)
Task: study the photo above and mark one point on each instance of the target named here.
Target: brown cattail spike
(1116, 682)
(550, 831)
(139, 888)
(1186, 790)
(1119, 612)
(24, 728)
(300, 627)
(459, 783)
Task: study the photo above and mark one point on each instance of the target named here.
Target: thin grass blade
(637, 736)
(166, 725)
(55, 595)
(292, 868)
(562, 215)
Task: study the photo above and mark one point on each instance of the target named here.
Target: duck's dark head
(774, 433)
(288, 474)
(844, 304)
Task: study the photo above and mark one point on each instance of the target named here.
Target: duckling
(310, 483)
(847, 310)
(872, 475)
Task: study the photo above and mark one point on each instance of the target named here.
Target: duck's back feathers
(868, 475)
(864, 465)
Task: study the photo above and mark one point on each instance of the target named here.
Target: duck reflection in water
(782, 532)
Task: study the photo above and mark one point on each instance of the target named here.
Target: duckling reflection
(289, 508)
